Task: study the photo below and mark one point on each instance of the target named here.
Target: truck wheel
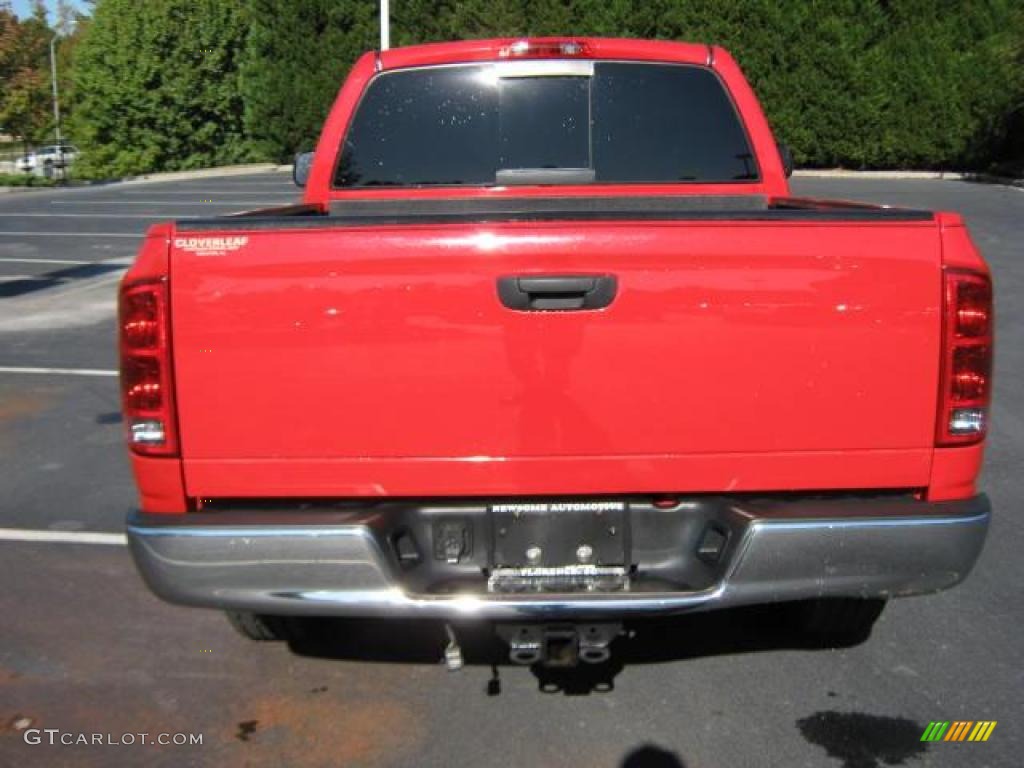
(256, 626)
(840, 620)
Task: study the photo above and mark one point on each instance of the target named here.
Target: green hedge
(24, 180)
(157, 89)
(853, 83)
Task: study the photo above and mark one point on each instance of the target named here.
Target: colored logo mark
(959, 730)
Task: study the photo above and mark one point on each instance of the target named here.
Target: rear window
(466, 125)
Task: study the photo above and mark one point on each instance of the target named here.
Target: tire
(840, 620)
(263, 628)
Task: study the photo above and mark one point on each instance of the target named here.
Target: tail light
(966, 358)
(543, 49)
(146, 384)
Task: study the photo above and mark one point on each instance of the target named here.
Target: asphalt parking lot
(85, 648)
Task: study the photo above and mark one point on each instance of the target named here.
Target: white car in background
(46, 158)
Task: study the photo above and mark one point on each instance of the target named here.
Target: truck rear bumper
(341, 562)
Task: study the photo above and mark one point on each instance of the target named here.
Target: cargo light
(543, 49)
(146, 396)
(966, 378)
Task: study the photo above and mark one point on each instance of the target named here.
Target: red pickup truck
(549, 343)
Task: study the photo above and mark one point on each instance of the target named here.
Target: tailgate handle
(557, 292)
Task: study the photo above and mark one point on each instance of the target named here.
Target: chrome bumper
(337, 564)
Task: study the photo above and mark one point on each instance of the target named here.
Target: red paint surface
(731, 338)
(161, 486)
(737, 356)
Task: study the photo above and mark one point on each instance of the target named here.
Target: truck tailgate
(372, 360)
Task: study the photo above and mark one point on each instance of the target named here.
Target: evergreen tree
(157, 86)
(859, 83)
(296, 57)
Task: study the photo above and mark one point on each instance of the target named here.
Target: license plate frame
(560, 530)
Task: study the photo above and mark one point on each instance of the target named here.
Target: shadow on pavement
(21, 286)
(864, 741)
(651, 756)
(994, 179)
(727, 632)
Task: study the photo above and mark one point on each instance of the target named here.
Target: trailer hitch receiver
(559, 645)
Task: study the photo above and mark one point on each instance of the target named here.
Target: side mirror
(301, 167)
(787, 159)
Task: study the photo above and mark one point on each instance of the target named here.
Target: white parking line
(45, 261)
(231, 191)
(73, 537)
(204, 192)
(166, 202)
(224, 184)
(94, 216)
(137, 235)
(59, 371)
(228, 187)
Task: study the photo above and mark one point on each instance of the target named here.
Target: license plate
(570, 578)
(557, 534)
